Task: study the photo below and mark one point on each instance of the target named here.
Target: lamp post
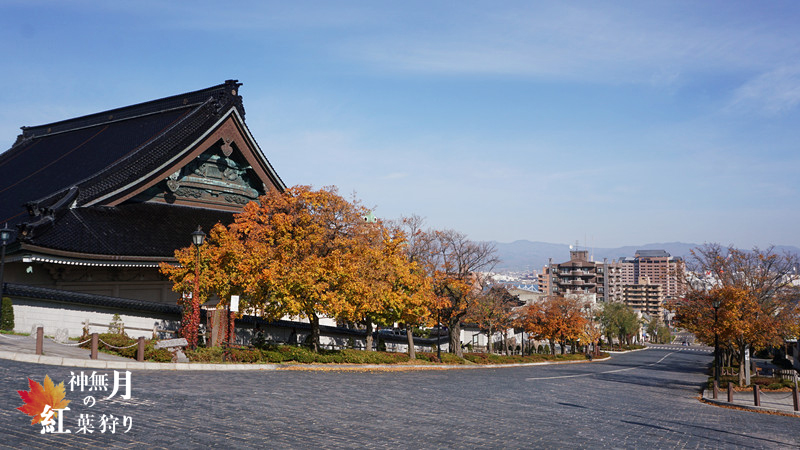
(197, 239)
(438, 335)
(715, 304)
(5, 236)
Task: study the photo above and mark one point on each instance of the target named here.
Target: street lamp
(5, 236)
(439, 334)
(197, 239)
(715, 304)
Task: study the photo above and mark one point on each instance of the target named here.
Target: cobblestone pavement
(645, 399)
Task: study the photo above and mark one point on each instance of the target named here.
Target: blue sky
(620, 123)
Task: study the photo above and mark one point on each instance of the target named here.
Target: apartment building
(645, 297)
(659, 267)
(600, 281)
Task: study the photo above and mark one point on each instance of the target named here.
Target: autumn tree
(183, 279)
(592, 331)
(493, 311)
(455, 262)
(298, 253)
(397, 288)
(557, 319)
(757, 302)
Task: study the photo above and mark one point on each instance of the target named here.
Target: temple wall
(52, 315)
(135, 283)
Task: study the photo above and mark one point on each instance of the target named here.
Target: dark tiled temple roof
(101, 152)
(57, 180)
(137, 229)
(98, 151)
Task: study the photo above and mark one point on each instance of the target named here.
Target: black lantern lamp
(198, 236)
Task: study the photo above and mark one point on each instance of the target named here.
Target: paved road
(643, 399)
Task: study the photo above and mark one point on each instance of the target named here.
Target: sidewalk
(780, 402)
(23, 349)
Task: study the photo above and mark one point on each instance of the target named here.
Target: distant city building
(643, 281)
(644, 297)
(578, 276)
(659, 267)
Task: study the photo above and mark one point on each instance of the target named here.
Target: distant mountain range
(519, 256)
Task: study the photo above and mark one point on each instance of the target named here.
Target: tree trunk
(552, 347)
(505, 343)
(454, 330)
(368, 322)
(489, 346)
(563, 346)
(314, 319)
(742, 363)
(412, 352)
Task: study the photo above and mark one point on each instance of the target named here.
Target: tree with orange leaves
(308, 253)
(395, 288)
(755, 294)
(454, 263)
(493, 311)
(557, 319)
(183, 276)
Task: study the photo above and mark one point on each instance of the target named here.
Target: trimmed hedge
(6, 315)
(122, 340)
(488, 358)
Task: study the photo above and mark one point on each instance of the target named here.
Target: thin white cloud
(592, 43)
(773, 92)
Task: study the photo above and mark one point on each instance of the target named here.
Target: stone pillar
(39, 340)
(140, 349)
(95, 345)
(756, 395)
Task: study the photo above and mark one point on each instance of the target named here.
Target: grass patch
(621, 348)
(14, 333)
(488, 358)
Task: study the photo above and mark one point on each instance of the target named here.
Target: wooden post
(756, 395)
(140, 349)
(95, 344)
(730, 392)
(39, 340)
(716, 390)
(795, 398)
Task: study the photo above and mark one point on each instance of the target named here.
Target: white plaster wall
(54, 315)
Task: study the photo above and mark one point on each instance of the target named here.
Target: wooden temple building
(98, 201)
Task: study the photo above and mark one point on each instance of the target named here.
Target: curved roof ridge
(229, 87)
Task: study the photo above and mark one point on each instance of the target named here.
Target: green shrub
(6, 315)
(116, 326)
(121, 340)
(205, 354)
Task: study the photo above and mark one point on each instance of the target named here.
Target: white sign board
(170, 343)
(234, 303)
